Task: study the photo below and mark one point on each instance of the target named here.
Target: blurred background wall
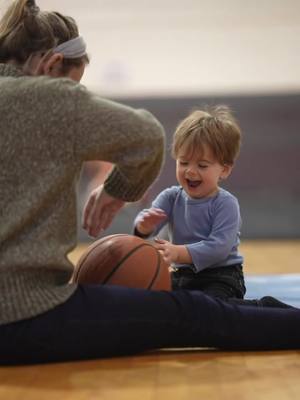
(171, 56)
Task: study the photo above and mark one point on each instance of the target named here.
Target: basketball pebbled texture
(124, 260)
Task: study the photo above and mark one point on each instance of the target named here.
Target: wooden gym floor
(179, 374)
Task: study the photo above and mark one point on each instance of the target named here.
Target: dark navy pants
(223, 282)
(105, 321)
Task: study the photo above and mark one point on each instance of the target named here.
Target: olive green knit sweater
(48, 128)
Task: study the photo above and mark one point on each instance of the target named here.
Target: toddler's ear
(226, 171)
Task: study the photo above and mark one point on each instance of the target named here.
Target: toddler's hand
(173, 253)
(168, 250)
(150, 219)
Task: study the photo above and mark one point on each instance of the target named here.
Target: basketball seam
(124, 259)
(80, 263)
(157, 270)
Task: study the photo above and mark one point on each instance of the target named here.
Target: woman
(50, 125)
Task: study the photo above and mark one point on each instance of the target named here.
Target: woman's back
(37, 203)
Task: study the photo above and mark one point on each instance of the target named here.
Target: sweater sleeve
(133, 140)
(223, 236)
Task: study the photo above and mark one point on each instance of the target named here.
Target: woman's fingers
(99, 211)
(86, 216)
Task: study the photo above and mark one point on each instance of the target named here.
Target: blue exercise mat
(285, 287)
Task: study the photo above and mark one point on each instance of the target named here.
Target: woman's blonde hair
(25, 30)
(214, 127)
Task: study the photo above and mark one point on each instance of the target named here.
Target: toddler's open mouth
(193, 184)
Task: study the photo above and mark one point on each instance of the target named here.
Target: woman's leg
(104, 321)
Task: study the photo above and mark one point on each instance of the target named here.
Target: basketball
(124, 260)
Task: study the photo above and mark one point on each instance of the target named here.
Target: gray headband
(73, 48)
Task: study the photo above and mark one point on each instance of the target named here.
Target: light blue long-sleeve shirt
(209, 227)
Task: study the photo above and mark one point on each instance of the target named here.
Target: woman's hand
(99, 211)
(149, 220)
(172, 253)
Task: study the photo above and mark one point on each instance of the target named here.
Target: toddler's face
(199, 174)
